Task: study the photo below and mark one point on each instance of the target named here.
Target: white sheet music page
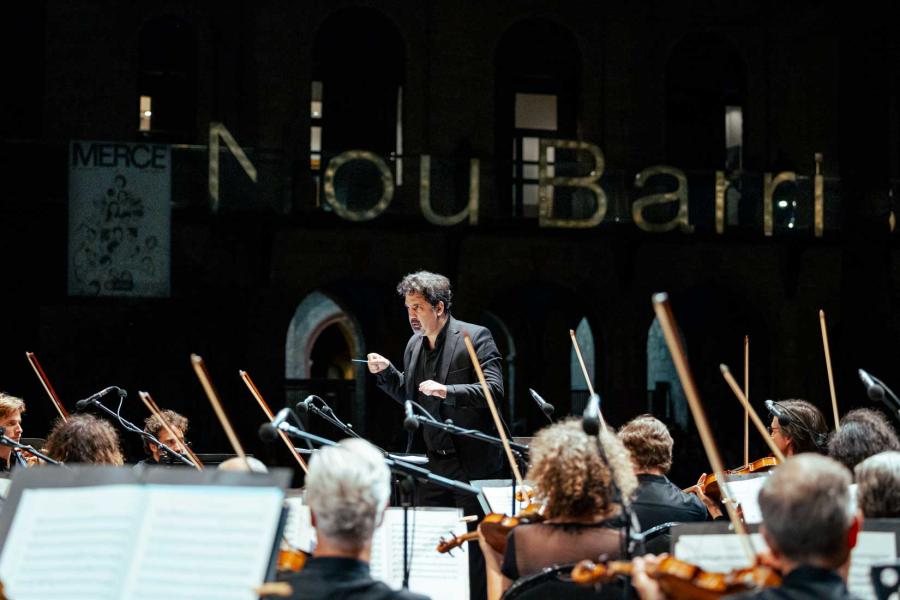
(719, 552)
(440, 576)
(204, 542)
(79, 542)
(746, 492)
(500, 499)
(298, 530)
(872, 547)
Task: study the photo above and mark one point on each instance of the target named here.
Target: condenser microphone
(410, 422)
(545, 406)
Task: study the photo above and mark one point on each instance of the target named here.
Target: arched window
(579, 386)
(359, 63)
(666, 397)
(167, 80)
(321, 340)
(538, 67)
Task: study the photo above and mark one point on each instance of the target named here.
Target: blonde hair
(570, 475)
(10, 404)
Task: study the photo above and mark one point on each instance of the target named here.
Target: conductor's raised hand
(377, 363)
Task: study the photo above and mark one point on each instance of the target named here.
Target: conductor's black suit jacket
(465, 403)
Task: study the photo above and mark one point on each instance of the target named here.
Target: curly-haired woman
(576, 484)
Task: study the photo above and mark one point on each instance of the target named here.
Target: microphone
(281, 416)
(590, 420)
(410, 423)
(873, 390)
(545, 406)
(303, 405)
(90, 400)
(268, 433)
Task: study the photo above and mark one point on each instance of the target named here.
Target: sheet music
(79, 542)
(141, 541)
(298, 530)
(746, 492)
(872, 547)
(716, 552)
(499, 499)
(440, 576)
(204, 542)
(722, 552)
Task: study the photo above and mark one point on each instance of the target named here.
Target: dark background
(646, 82)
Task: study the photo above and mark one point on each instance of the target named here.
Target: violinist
(84, 439)
(658, 500)
(797, 426)
(154, 426)
(809, 527)
(11, 409)
(580, 506)
(347, 489)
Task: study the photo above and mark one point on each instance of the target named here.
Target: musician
(797, 426)
(84, 439)
(878, 485)
(438, 374)
(11, 410)
(580, 507)
(657, 500)
(347, 489)
(864, 432)
(809, 527)
(154, 426)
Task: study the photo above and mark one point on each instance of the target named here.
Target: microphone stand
(332, 418)
(129, 426)
(452, 429)
(6, 441)
(408, 472)
(894, 409)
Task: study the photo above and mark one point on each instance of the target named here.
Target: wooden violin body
(495, 527)
(681, 580)
(709, 483)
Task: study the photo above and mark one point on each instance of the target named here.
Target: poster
(119, 219)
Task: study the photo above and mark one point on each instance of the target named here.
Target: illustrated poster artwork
(119, 219)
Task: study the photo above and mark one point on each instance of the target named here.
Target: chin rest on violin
(681, 580)
(709, 484)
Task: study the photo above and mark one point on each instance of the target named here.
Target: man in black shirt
(658, 500)
(347, 489)
(438, 374)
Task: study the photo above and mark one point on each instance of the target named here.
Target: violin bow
(254, 391)
(490, 401)
(726, 373)
(747, 396)
(54, 399)
(667, 322)
(206, 382)
(156, 412)
(837, 423)
(584, 371)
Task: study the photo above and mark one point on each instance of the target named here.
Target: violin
(709, 484)
(495, 527)
(681, 580)
(291, 560)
